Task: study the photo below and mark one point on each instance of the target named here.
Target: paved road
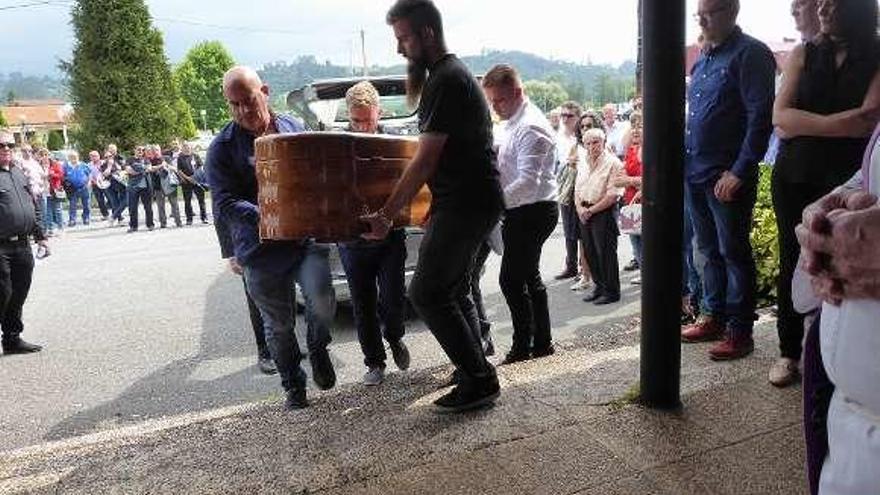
(149, 325)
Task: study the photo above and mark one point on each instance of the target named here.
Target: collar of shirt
(517, 116)
(730, 40)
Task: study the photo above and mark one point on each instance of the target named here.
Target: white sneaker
(581, 284)
(375, 376)
(784, 372)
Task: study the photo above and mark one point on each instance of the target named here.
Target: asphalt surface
(153, 325)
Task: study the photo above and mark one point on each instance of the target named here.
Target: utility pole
(364, 53)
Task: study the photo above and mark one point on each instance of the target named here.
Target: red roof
(37, 113)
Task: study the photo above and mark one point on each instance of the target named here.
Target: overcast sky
(262, 31)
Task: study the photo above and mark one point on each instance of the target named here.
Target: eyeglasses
(711, 13)
(567, 115)
(9, 146)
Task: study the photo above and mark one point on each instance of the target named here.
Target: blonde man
(362, 101)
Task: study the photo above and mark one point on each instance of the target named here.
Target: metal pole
(663, 184)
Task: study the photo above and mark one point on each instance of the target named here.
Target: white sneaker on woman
(581, 284)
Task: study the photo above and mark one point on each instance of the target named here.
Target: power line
(26, 5)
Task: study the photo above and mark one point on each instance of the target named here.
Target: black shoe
(189, 222)
(266, 365)
(151, 228)
(19, 346)
(296, 399)
(322, 369)
(606, 300)
(566, 274)
(454, 379)
(543, 352)
(632, 266)
(488, 345)
(131, 230)
(515, 356)
(470, 394)
(400, 354)
(592, 297)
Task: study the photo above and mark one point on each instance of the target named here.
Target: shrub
(765, 240)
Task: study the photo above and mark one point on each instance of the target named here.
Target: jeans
(16, 270)
(187, 202)
(367, 263)
(440, 287)
(273, 292)
(104, 201)
(599, 235)
(144, 196)
(571, 226)
(525, 230)
(82, 196)
(257, 325)
(53, 214)
(159, 196)
(636, 241)
(118, 201)
(722, 232)
(692, 286)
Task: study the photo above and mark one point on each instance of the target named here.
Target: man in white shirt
(615, 130)
(526, 162)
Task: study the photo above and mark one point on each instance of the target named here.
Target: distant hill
(16, 86)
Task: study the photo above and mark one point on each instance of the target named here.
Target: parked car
(321, 106)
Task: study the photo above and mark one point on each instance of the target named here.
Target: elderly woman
(596, 199)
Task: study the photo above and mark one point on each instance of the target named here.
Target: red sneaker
(704, 330)
(732, 348)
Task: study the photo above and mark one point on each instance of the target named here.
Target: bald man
(270, 268)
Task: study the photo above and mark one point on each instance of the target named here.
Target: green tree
(3, 122)
(546, 95)
(10, 97)
(120, 80)
(200, 79)
(55, 141)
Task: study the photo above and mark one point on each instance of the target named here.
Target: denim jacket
(730, 109)
(233, 180)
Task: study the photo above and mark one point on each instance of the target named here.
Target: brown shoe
(732, 348)
(705, 329)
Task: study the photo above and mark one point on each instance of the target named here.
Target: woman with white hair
(596, 201)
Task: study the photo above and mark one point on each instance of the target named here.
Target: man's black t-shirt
(453, 104)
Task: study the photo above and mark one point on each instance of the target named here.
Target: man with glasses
(19, 218)
(566, 145)
(730, 101)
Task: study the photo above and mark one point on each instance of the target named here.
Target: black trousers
(16, 270)
(257, 325)
(599, 235)
(571, 227)
(789, 201)
(146, 199)
(103, 199)
(188, 191)
(440, 288)
(525, 230)
(476, 274)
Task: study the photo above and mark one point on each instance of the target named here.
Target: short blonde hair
(594, 133)
(362, 94)
(501, 75)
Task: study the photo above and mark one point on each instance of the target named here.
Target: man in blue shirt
(76, 178)
(270, 268)
(730, 102)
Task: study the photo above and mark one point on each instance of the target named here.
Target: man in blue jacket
(76, 179)
(270, 268)
(730, 101)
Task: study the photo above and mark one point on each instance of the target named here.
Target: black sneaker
(19, 346)
(400, 354)
(515, 356)
(266, 365)
(453, 379)
(322, 369)
(470, 394)
(296, 399)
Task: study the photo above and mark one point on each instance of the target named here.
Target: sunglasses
(9, 146)
(567, 115)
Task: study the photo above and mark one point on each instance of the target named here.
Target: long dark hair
(594, 119)
(857, 24)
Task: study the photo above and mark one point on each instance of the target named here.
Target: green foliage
(546, 95)
(765, 240)
(10, 97)
(200, 79)
(3, 122)
(120, 81)
(55, 141)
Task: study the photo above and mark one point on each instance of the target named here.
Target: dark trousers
(723, 233)
(440, 287)
(145, 198)
(571, 227)
(525, 230)
(160, 196)
(476, 273)
(599, 235)
(817, 390)
(188, 191)
(789, 201)
(256, 324)
(118, 201)
(16, 269)
(367, 264)
(103, 200)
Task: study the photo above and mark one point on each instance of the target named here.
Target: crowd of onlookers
(113, 184)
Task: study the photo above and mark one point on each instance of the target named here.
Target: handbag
(630, 219)
(59, 193)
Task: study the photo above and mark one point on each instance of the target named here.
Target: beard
(416, 75)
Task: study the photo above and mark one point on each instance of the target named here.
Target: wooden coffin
(317, 184)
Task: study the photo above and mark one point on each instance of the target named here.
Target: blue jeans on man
(377, 313)
(273, 291)
(77, 197)
(722, 232)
